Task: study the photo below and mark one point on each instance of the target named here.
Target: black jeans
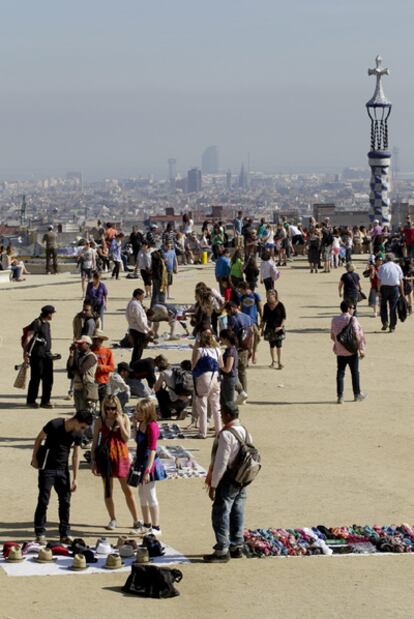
(51, 257)
(342, 362)
(60, 481)
(389, 299)
(41, 369)
(139, 342)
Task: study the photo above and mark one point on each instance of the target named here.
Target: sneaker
(41, 539)
(241, 398)
(236, 553)
(360, 397)
(280, 366)
(215, 558)
(138, 529)
(152, 531)
(273, 365)
(66, 539)
(111, 526)
(340, 400)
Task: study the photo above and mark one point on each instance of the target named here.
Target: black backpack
(183, 381)
(151, 581)
(348, 338)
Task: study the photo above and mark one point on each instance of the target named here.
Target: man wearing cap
(50, 238)
(227, 514)
(106, 363)
(82, 364)
(138, 326)
(37, 352)
(390, 286)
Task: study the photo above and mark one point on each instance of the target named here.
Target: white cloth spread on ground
(61, 566)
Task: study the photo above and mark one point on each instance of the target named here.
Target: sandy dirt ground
(322, 464)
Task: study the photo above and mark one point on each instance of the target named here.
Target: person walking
(159, 278)
(51, 458)
(147, 464)
(144, 264)
(138, 326)
(97, 294)
(390, 286)
(37, 352)
(268, 271)
(343, 356)
(114, 430)
(206, 362)
(229, 498)
(50, 239)
(242, 326)
(87, 264)
(350, 285)
(229, 375)
(115, 251)
(106, 363)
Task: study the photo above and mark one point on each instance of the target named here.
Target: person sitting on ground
(118, 386)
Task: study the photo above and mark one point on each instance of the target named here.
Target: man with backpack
(349, 347)
(37, 345)
(230, 461)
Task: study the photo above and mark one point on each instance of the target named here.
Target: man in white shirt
(137, 324)
(390, 286)
(228, 498)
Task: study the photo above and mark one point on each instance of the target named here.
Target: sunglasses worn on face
(111, 408)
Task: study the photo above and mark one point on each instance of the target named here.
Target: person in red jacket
(106, 363)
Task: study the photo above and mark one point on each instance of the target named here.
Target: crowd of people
(224, 326)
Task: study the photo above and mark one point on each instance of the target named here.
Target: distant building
(172, 172)
(228, 180)
(193, 180)
(210, 160)
(243, 178)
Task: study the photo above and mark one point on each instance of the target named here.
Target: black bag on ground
(153, 545)
(151, 581)
(348, 338)
(402, 308)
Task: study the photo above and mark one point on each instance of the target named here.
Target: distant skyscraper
(193, 180)
(379, 157)
(209, 160)
(172, 173)
(228, 180)
(243, 180)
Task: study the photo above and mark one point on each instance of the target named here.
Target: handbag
(348, 338)
(275, 336)
(151, 581)
(21, 378)
(134, 476)
(361, 296)
(91, 391)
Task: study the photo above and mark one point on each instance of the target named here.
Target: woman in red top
(114, 429)
(373, 297)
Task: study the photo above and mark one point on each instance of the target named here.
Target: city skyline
(117, 91)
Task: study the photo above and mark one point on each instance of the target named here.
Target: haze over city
(117, 89)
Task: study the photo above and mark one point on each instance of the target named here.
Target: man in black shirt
(52, 461)
(37, 351)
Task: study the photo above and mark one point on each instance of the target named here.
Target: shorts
(327, 252)
(86, 273)
(146, 276)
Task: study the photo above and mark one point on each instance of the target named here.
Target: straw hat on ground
(15, 555)
(113, 562)
(79, 563)
(141, 555)
(45, 556)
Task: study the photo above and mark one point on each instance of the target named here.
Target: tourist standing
(82, 365)
(268, 271)
(238, 230)
(229, 375)
(106, 363)
(390, 285)
(50, 239)
(206, 363)
(343, 356)
(38, 352)
(350, 285)
(229, 498)
(144, 264)
(242, 326)
(138, 326)
(114, 429)
(87, 264)
(273, 327)
(170, 259)
(97, 294)
(52, 462)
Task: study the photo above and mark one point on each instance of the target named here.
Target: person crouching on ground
(114, 430)
(229, 498)
(51, 460)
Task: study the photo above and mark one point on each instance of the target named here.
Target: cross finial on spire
(379, 97)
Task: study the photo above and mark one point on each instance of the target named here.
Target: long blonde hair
(147, 407)
(110, 399)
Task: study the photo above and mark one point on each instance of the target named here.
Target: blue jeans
(227, 515)
(389, 298)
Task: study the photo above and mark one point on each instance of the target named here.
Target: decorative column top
(379, 99)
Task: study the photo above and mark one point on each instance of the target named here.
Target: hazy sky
(117, 86)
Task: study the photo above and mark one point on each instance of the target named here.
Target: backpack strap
(237, 435)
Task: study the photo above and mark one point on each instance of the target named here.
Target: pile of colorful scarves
(322, 540)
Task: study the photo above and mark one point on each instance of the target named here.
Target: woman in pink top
(345, 357)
